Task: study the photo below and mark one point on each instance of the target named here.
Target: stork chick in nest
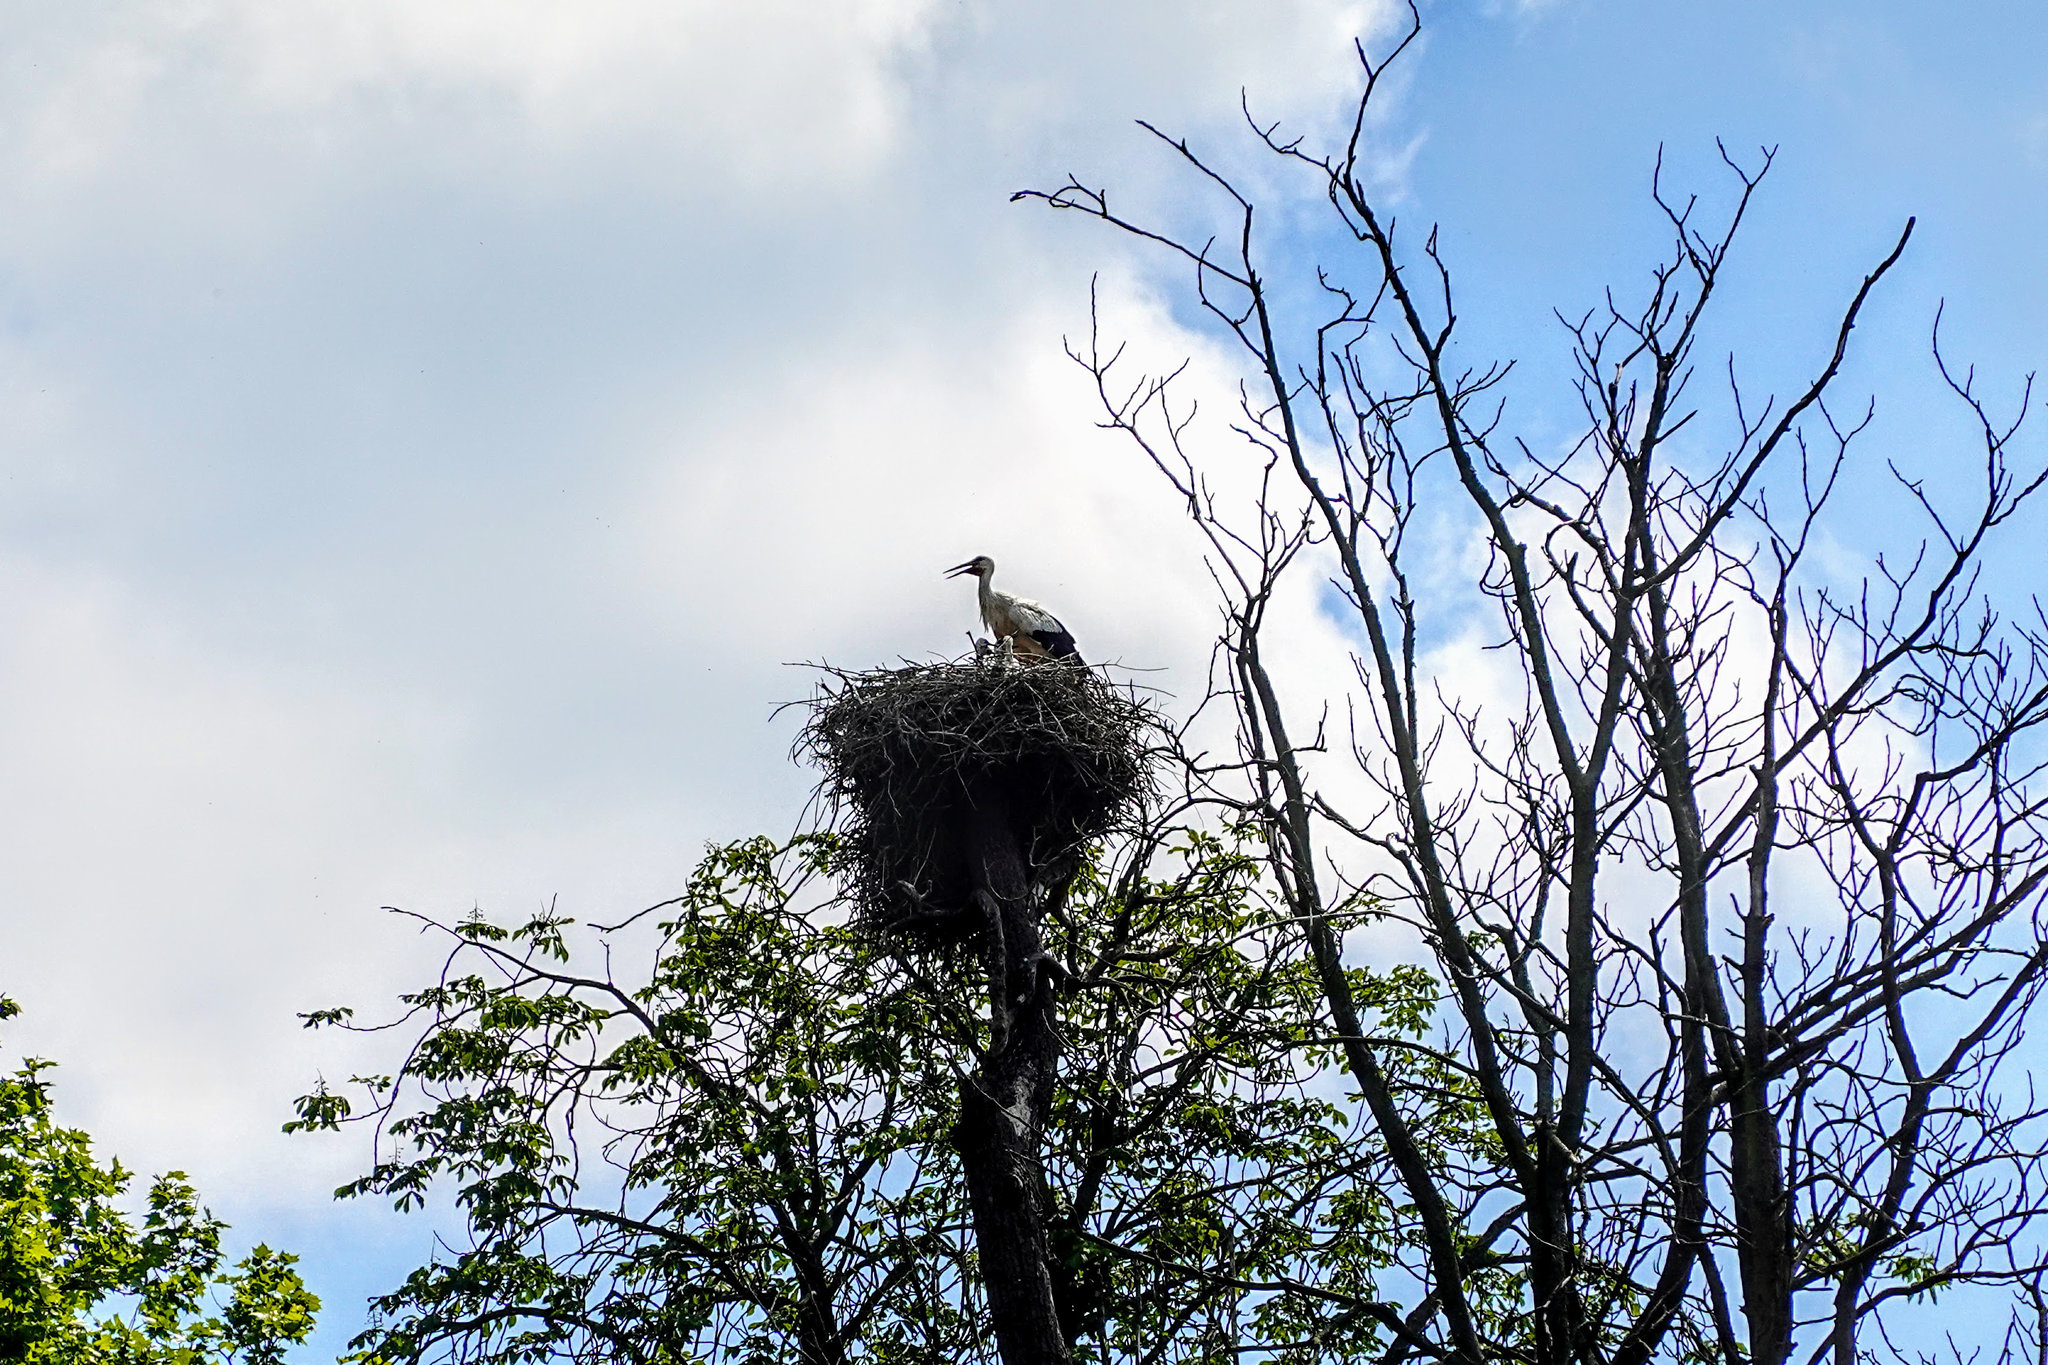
(1027, 626)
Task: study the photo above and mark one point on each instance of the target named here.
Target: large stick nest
(910, 753)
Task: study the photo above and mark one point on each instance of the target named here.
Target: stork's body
(1031, 629)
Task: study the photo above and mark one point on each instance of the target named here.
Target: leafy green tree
(742, 1151)
(82, 1284)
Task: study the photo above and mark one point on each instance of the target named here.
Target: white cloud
(228, 110)
(427, 430)
(773, 88)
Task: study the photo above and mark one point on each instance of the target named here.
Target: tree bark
(1005, 1104)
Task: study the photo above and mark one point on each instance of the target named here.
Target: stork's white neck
(987, 596)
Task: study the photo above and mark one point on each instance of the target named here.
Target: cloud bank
(429, 432)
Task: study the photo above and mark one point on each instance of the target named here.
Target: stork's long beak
(959, 569)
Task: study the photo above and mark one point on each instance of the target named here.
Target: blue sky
(428, 432)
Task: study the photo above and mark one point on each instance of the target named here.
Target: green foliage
(1230, 1200)
(82, 1284)
(741, 1152)
(674, 1164)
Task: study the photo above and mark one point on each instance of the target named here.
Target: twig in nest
(908, 751)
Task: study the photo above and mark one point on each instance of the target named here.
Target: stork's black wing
(1045, 628)
(1057, 642)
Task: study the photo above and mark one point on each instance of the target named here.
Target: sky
(433, 435)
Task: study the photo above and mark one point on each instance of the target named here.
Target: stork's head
(981, 566)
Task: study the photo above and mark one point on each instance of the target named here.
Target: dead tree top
(908, 753)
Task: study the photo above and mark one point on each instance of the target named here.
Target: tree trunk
(1004, 1106)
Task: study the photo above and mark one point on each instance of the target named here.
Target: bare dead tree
(1736, 890)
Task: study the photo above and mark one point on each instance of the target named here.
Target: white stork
(1026, 625)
